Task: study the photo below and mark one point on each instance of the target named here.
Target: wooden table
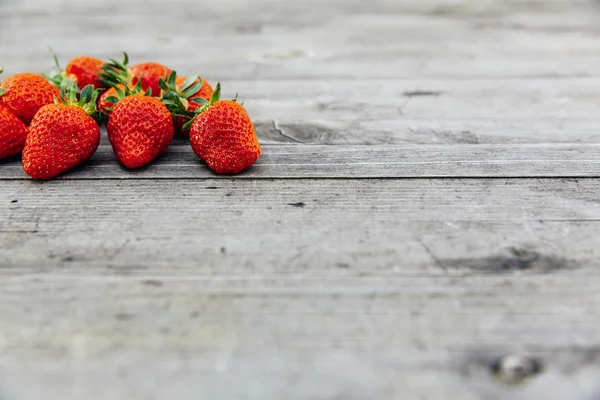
(422, 223)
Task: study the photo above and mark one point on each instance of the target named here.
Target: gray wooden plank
(327, 39)
(318, 289)
(180, 288)
(430, 111)
(315, 227)
(291, 338)
(313, 161)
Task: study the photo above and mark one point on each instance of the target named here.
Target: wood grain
(333, 39)
(318, 227)
(173, 283)
(296, 288)
(289, 161)
(298, 339)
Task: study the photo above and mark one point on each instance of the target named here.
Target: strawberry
(82, 70)
(140, 128)
(24, 94)
(13, 133)
(148, 73)
(104, 105)
(62, 135)
(193, 93)
(223, 135)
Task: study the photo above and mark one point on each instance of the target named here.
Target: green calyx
(87, 100)
(116, 73)
(2, 91)
(189, 87)
(58, 77)
(124, 91)
(177, 100)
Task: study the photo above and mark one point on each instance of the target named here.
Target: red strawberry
(140, 128)
(86, 71)
(148, 73)
(224, 137)
(62, 135)
(193, 93)
(104, 105)
(24, 94)
(13, 133)
(82, 70)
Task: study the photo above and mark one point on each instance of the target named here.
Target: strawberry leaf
(116, 72)
(188, 82)
(216, 96)
(200, 100)
(195, 88)
(112, 99)
(163, 85)
(173, 80)
(188, 125)
(86, 94)
(55, 58)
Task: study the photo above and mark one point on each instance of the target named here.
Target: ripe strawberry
(104, 105)
(24, 94)
(148, 73)
(13, 133)
(140, 128)
(62, 135)
(224, 137)
(193, 93)
(82, 70)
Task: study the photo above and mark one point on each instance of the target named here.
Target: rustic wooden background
(426, 204)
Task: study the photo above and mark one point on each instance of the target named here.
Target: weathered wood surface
(349, 71)
(347, 39)
(177, 287)
(312, 161)
(226, 227)
(173, 283)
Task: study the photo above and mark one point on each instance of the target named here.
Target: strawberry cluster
(54, 119)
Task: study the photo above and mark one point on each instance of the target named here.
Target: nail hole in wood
(515, 369)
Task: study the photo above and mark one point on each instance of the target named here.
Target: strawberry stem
(58, 77)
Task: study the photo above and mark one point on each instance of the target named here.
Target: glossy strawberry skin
(224, 137)
(150, 74)
(13, 133)
(140, 128)
(84, 70)
(60, 138)
(105, 105)
(205, 92)
(26, 94)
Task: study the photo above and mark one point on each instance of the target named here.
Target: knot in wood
(515, 369)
